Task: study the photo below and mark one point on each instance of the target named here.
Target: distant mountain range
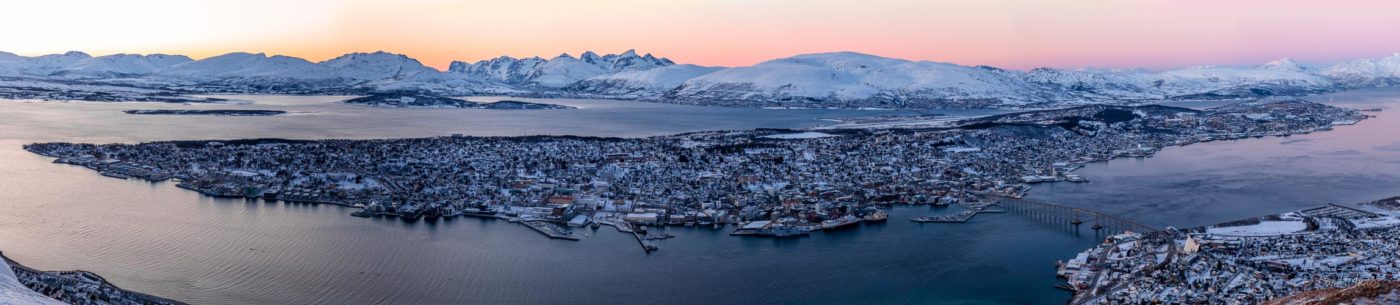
(840, 79)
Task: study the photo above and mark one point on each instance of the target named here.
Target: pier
(971, 209)
(550, 230)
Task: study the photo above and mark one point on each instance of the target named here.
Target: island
(764, 182)
(215, 112)
(404, 100)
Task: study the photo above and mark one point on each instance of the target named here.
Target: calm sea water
(156, 238)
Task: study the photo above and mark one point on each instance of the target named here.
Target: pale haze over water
(170, 242)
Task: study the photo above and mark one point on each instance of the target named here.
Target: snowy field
(800, 135)
(1265, 228)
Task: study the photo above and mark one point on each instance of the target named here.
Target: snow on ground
(1378, 222)
(959, 149)
(1264, 228)
(800, 135)
(12, 292)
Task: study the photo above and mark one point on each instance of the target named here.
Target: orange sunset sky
(1016, 34)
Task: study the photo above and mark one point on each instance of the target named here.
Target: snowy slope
(8, 63)
(640, 83)
(1281, 77)
(1383, 71)
(13, 292)
(120, 65)
(48, 64)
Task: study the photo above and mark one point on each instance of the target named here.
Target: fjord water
(156, 238)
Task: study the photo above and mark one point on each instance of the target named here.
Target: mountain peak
(1283, 63)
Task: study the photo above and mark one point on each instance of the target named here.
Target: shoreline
(142, 298)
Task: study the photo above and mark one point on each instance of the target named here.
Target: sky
(1015, 34)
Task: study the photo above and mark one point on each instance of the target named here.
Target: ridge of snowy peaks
(1383, 71)
(378, 66)
(849, 76)
(556, 72)
(121, 65)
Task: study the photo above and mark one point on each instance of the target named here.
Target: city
(768, 182)
(699, 152)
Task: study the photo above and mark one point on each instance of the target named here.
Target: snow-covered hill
(45, 65)
(1362, 73)
(236, 67)
(120, 65)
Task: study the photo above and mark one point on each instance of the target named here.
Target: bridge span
(1077, 217)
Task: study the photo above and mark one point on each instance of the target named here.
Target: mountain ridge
(824, 80)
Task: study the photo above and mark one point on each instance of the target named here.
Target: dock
(960, 217)
(647, 246)
(550, 231)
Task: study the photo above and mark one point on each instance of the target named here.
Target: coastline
(77, 277)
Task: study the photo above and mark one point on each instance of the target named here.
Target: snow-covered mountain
(839, 79)
(855, 77)
(120, 65)
(556, 72)
(248, 72)
(45, 65)
(378, 66)
(1362, 73)
(1281, 77)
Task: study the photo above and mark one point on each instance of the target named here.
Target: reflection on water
(175, 243)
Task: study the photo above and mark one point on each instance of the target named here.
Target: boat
(878, 216)
(783, 231)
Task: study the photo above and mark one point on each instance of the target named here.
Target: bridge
(1077, 217)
